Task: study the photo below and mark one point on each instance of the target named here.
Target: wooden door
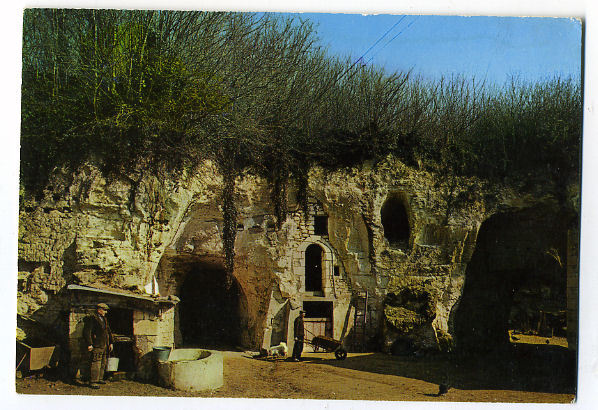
(317, 326)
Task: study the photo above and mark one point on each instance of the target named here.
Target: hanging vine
(229, 231)
(302, 181)
(278, 194)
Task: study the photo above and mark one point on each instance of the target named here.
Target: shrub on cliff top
(162, 90)
(159, 91)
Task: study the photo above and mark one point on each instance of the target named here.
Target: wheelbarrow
(329, 345)
(35, 355)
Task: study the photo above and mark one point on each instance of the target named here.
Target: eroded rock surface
(128, 233)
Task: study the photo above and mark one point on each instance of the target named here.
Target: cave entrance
(313, 268)
(516, 271)
(210, 310)
(395, 222)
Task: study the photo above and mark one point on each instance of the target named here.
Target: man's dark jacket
(299, 328)
(97, 332)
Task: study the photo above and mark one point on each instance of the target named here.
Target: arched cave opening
(395, 222)
(210, 310)
(313, 268)
(517, 275)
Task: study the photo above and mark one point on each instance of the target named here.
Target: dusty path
(539, 374)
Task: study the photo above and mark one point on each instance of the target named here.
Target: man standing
(299, 336)
(98, 338)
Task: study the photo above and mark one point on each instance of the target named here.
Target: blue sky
(562, 50)
(491, 48)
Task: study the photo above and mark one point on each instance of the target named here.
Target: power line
(337, 79)
(380, 39)
(392, 39)
(368, 50)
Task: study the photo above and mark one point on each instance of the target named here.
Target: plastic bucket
(161, 353)
(112, 364)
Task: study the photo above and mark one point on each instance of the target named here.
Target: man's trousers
(99, 360)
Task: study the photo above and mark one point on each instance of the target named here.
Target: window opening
(321, 225)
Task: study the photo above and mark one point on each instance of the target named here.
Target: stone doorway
(313, 268)
(121, 324)
(210, 310)
(318, 320)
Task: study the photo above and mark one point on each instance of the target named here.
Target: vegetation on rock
(410, 307)
(160, 91)
(130, 89)
(404, 320)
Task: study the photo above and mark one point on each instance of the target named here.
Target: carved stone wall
(126, 233)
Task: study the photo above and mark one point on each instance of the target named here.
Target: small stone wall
(150, 330)
(153, 325)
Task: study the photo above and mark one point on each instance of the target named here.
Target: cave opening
(210, 310)
(516, 276)
(395, 222)
(321, 225)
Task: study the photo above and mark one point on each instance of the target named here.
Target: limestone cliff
(127, 233)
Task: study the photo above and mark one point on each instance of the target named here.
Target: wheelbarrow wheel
(340, 354)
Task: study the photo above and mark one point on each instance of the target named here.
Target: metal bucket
(112, 364)
(161, 353)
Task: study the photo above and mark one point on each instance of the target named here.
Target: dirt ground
(527, 372)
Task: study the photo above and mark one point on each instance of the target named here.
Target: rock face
(400, 236)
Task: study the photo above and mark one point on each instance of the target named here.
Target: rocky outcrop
(128, 233)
